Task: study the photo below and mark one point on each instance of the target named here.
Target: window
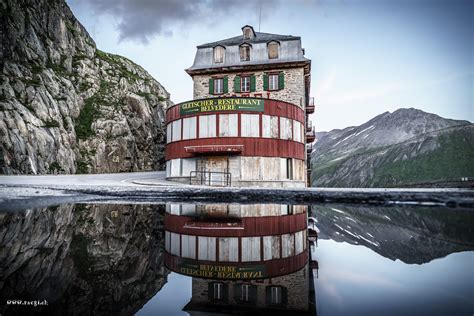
(286, 128)
(250, 125)
(289, 168)
(245, 52)
(218, 291)
(244, 294)
(273, 50)
(276, 295)
(269, 126)
(189, 128)
(245, 84)
(176, 131)
(218, 86)
(248, 32)
(219, 53)
(273, 82)
(228, 125)
(207, 126)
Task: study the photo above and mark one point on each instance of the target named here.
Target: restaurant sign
(224, 272)
(221, 104)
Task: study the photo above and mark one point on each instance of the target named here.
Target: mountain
(66, 106)
(82, 259)
(404, 148)
(412, 235)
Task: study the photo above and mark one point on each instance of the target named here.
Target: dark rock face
(402, 148)
(83, 259)
(412, 235)
(67, 107)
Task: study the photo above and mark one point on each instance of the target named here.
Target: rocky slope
(416, 235)
(82, 259)
(406, 147)
(67, 107)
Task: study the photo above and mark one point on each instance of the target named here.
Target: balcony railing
(309, 126)
(211, 178)
(310, 136)
(310, 106)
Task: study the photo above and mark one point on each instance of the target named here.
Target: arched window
(219, 52)
(245, 52)
(273, 48)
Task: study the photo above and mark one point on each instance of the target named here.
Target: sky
(368, 56)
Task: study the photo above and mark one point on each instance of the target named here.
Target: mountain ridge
(358, 156)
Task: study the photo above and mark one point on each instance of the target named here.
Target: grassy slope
(454, 158)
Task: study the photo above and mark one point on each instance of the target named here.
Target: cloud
(141, 20)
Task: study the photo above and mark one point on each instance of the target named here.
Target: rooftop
(259, 38)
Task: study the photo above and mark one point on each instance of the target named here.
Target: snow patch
(351, 219)
(365, 129)
(336, 210)
(370, 242)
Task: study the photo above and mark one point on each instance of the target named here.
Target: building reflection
(243, 258)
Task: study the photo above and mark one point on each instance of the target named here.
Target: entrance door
(219, 168)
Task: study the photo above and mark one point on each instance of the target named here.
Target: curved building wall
(263, 146)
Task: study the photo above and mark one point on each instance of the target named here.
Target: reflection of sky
(354, 280)
(171, 299)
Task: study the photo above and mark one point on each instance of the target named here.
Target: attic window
(273, 50)
(245, 52)
(248, 32)
(219, 53)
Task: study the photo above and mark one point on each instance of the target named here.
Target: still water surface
(181, 259)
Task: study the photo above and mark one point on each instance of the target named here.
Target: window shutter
(268, 295)
(237, 84)
(226, 84)
(211, 86)
(253, 294)
(265, 82)
(281, 80)
(237, 292)
(252, 83)
(284, 296)
(225, 292)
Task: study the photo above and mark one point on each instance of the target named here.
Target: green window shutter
(281, 80)
(237, 84)
(265, 82)
(211, 86)
(226, 84)
(252, 83)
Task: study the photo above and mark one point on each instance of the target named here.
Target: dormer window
(219, 52)
(244, 52)
(248, 32)
(273, 48)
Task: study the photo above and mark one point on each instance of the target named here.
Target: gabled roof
(259, 38)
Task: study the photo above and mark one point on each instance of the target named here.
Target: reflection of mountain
(97, 259)
(412, 235)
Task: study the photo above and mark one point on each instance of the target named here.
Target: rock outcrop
(67, 107)
(405, 148)
(82, 259)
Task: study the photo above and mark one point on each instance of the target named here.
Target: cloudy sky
(368, 56)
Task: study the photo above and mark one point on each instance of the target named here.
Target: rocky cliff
(67, 107)
(406, 147)
(82, 259)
